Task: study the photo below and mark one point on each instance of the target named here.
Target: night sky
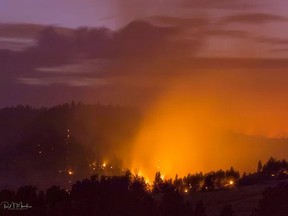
(221, 63)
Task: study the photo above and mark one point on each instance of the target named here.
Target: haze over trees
(65, 143)
(38, 143)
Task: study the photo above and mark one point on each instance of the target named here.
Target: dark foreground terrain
(244, 200)
(129, 195)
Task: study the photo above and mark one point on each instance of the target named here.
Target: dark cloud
(206, 27)
(272, 40)
(27, 30)
(202, 27)
(88, 57)
(131, 64)
(220, 4)
(142, 39)
(227, 33)
(68, 80)
(195, 22)
(139, 39)
(253, 18)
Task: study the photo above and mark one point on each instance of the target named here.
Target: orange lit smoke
(189, 128)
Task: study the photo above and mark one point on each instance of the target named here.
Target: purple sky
(117, 13)
(196, 28)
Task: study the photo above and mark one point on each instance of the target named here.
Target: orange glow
(70, 172)
(147, 182)
(104, 164)
(205, 124)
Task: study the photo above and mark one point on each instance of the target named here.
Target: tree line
(126, 195)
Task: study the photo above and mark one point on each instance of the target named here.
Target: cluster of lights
(39, 149)
(67, 136)
(69, 172)
(149, 185)
(93, 165)
(102, 167)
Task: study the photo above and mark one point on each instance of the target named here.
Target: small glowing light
(104, 164)
(111, 167)
(186, 190)
(162, 177)
(272, 175)
(231, 182)
(40, 152)
(60, 171)
(70, 172)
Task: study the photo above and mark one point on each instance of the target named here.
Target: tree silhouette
(274, 202)
(208, 183)
(200, 209)
(227, 210)
(172, 203)
(260, 167)
(158, 183)
(138, 187)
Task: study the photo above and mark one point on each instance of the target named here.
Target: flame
(167, 142)
(104, 164)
